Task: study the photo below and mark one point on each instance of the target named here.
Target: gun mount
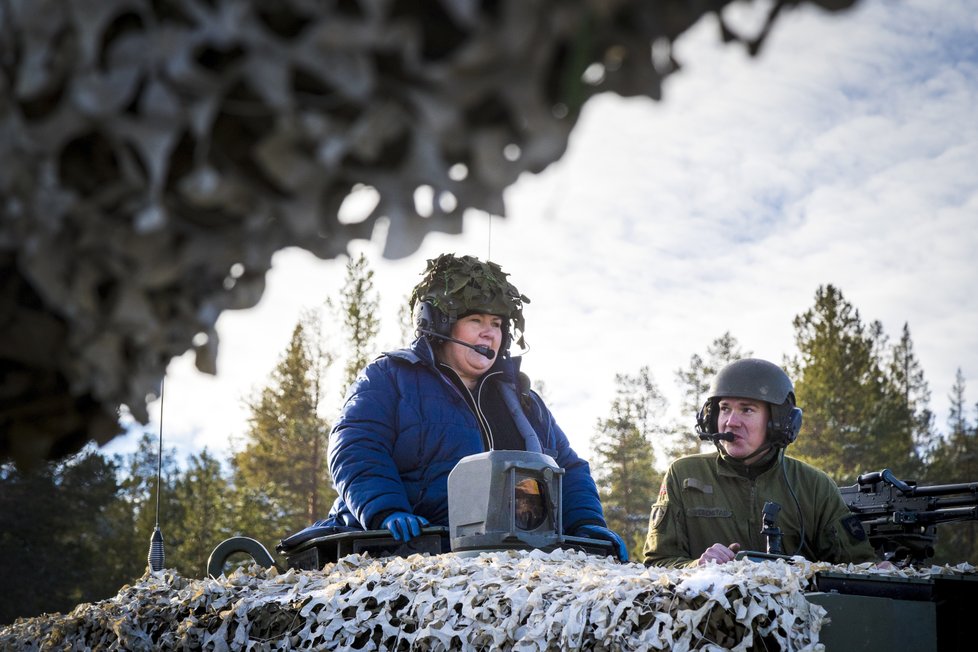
(773, 536)
(771, 531)
(901, 517)
(500, 500)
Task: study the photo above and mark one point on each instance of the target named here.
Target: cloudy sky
(846, 153)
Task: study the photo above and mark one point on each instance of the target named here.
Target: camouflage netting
(508, 600)
(155, 153)
(456, 285)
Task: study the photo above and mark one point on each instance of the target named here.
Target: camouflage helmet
(462, 285)
(762, 381)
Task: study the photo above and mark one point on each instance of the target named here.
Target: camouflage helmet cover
(460, 285)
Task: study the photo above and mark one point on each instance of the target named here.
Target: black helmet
(455, 286)
(762, 381)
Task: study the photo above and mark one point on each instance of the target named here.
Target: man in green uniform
(710, 505)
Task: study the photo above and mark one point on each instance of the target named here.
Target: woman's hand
(404, 526)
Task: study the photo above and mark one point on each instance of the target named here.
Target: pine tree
(912, 394)
(956, 460)
(284, 457)
(251, 507)
(694, 383)
(957, 418)
(695, 380)
(405, 320)
(139, 490)
(849, 418)
(625, 459)
(203, 491)
(358, 311)
(60, 540)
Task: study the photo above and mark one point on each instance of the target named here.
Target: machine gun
(901, 518)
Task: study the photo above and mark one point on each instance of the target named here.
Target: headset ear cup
(443, 322)
(703, 417)
(422, 316)
(784, 429)
(425, 317)
(429, 318)
(794, 424)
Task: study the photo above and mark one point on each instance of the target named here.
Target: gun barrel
(936, 515)
(886, 476)
(948, 489)
(956, 501)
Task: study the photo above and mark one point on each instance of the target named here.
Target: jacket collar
(727, 465)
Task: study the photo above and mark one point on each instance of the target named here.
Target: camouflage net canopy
(507, 600)
(154, 154)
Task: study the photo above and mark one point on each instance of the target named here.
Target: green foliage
(955, 460)
(696, 378)
(624, 460)
(957, 419)
(139, 494)
(909, 395)
(358, 310)
(62, 538)
(694, 382)
(854, 419)
(285, 452)
(203, 491)
(866, 408)
(251, 507)
(405, 320)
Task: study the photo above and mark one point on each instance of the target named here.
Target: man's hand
(404, 526)
(719, 554)
(598, 532)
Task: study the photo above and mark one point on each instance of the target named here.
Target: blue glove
(404, 526)
(598, 532)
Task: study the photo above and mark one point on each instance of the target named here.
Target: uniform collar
(727, 465)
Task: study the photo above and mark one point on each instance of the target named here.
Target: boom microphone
(716, 437)
(478, 348)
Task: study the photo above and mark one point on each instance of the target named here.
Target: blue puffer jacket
(403, 428)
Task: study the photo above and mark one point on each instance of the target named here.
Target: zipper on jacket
(483, 422)
(753, 524)
(473, 404)
(478, 408)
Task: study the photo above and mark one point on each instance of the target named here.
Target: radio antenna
(489, 240)
(157, 557)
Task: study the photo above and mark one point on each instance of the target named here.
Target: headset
(782, 427)
(431, 321)
(428, 318)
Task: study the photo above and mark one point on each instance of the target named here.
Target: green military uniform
(705, 500)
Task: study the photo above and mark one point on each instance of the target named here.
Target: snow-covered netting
(506, 600)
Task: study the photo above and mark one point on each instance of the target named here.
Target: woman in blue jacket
(412, 414)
